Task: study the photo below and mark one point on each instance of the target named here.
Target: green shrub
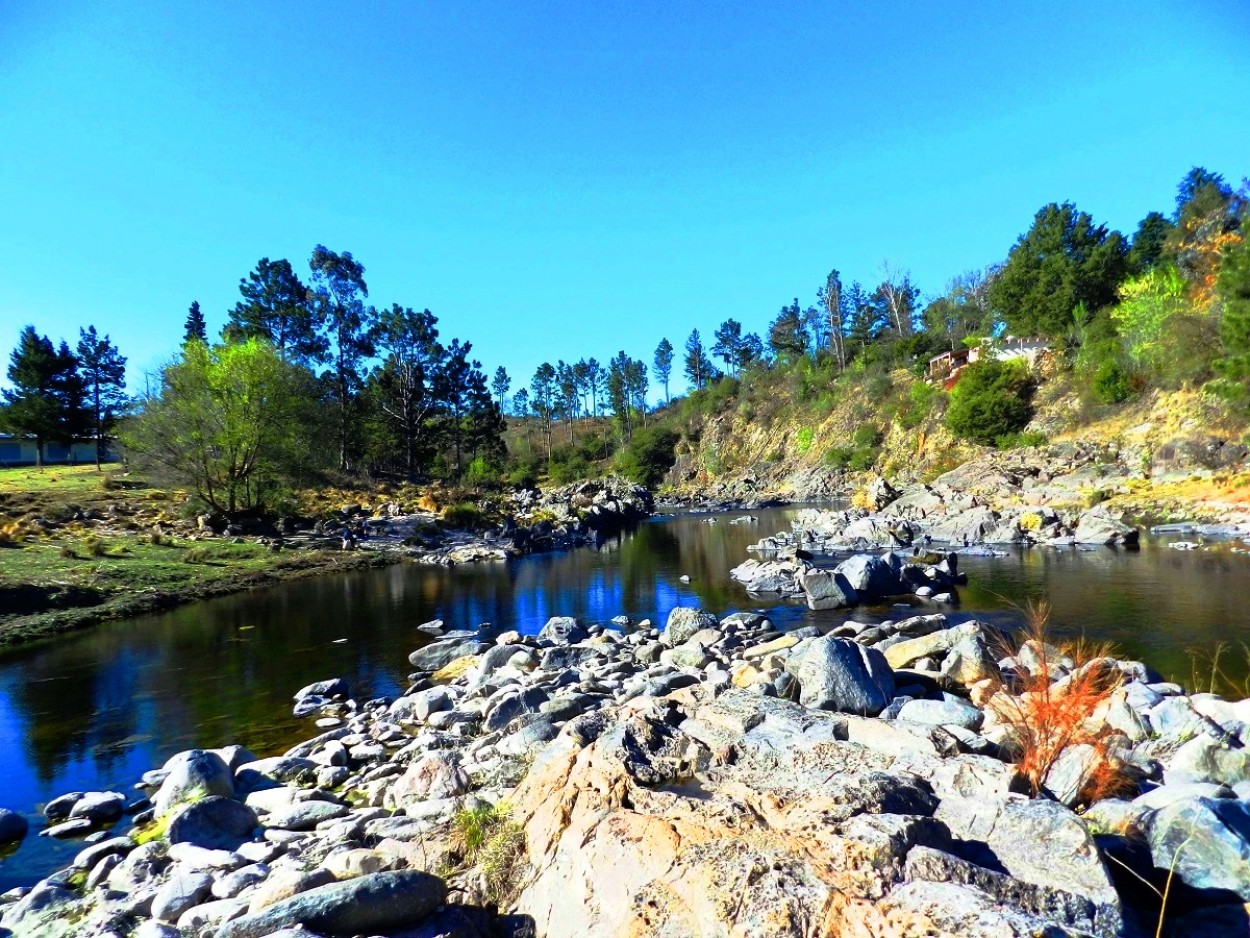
(991, 399)
(648, 456)
(1111, 383)
(568, 465)
(867, 435)
(1029, 439)
(920, 398)
(464, 515)
(803, 440)
(195, 555)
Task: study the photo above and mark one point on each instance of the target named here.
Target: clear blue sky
(568, 179)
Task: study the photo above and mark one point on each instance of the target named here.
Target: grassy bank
(78, 546)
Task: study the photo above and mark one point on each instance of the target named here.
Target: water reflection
(96, 710)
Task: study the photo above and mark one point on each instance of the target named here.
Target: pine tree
(664, 364)
(195, 328)
(46, 400)
(103, 372)
(1234, 289)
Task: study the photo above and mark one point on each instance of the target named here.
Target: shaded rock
(305, 815)
(828, 589)
(182, 891)
(1208, 840)
(367, 904)
(870, 576)
(439, 654)
(215, 822)
(563, 630)
(13, 826)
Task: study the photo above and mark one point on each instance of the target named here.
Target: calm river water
(96, 710)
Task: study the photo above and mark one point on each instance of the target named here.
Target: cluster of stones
(898, 733)
(558, 519)
(861, 578)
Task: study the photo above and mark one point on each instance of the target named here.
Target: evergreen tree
(46, 401)
(1063, 263)
(728, 344)
(786, 336)
(664, 364)
(337, 296)
(500, 385)
(404, 389)
(1149, 242)
(1234, 290)
(195, 329)
(698, 370)
(542, 399)
(275, 307)
(103, 371)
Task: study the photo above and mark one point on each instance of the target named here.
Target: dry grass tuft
(1045, 717)
(485, 838)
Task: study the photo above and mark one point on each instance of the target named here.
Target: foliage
(569, 465)
(648, 456)
(803, 440)
(1047, 717)
(486, 837)
(861, 454)
(663, 362)
(195, 328)
(1111, 382)
(921, 396)
(465, 515)
(991, 399)
(699, 368)
(1146, 315)
(1026, 439)
(228, 421)
(1234, 291)
(275, 308)
(1063, 261)
(787, 337)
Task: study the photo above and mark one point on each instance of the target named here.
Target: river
(93, 711)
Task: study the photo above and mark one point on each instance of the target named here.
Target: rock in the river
(827, 589)
(1208, 842)
(563, 630)
(215, 822)
(379, 902)
(441, 653)
(685, 621)
(12, 826)
(837, 674)
(871, 576)
(334, 687)
(1096, 526)
(194, 774)
(99, 806)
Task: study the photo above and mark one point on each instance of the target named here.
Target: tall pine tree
(195, 329)
(46, 401)
(103, 371)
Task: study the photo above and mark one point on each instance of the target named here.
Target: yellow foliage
(1030, 522)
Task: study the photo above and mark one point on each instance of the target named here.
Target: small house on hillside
(945, 368)
(20, 451)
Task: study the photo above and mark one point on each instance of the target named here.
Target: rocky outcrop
(714, 777)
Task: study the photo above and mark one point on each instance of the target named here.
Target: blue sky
(559, 180)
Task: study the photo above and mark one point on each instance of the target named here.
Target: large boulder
(1096, 526)
(872, 577)
(837, 674)
(194, 774)
(439, 654)
(1207, 842)
(563, 630)
(215, 823)
(437, 775)
(377, 902)
(685, 621)
(828, 589)
(12, 826)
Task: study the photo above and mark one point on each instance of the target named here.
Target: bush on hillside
(991, 399)
(1111, 382)
(648, 456)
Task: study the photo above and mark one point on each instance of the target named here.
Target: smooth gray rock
(837, 674)
(685, 621)
(194, 774)
(334, 687)
(827, 589)
(942, 713)
(59, 808)
(377, 902)
(870, 576)
(441, 653)
(304, 816)
(183, 890)
(215, 822)
(99, 806)
(1208, 840)
(88, 857)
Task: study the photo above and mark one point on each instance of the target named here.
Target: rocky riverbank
(714, 776)
(77, 563)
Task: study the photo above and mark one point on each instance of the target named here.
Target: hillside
(1171, 455)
